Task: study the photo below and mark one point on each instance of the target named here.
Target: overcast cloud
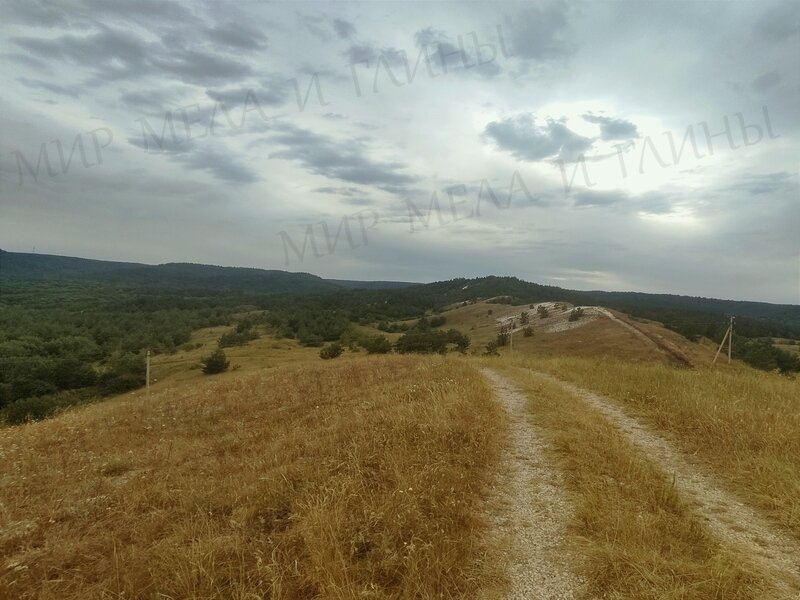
(549, 138)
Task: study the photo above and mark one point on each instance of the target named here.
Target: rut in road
(734, 523)
(532, 510)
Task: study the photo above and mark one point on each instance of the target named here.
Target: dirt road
(530, 511)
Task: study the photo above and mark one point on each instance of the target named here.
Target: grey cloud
(654, 203)
(269, 92)
(200, 67)
(449, 57)
(779, 22)
(768, 183)
(613, 129)
(116, 54)
(199, 156)
(150, 101)
(108, 51)
(540, 33)
(72, 92)
(366, 53)
(344, 29)
(526, 140)
(221, 165)
(239, 36)
(168, 144)
(345, 160)
(28, 60)
(144, 11)
(338, 191)
(34, 12)
(766, 81)
(316, 25)
(598, 198)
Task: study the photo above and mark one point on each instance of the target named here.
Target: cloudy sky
(605, 145)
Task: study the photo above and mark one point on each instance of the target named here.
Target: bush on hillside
(576, 314)
(422, 339)
(217, 362)
(237, 338)
(376, 344)
(331, 351)
(125, 372)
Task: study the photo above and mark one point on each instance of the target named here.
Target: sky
(649, 146)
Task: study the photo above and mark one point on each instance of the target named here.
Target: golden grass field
(359, 479)
(367, 477)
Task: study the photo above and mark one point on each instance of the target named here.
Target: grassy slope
(289, 458)
(343, 479)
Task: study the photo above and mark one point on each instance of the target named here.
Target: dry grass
(639, 540)
(744, 423)
(600, 336)
(477, 323)
(265, 352)
(358, 478)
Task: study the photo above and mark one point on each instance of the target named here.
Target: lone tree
(523, 318)
(216, 363)
(527, 331)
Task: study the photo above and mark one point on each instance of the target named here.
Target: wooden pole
(722, 345)
(730, 340)
(148, 372)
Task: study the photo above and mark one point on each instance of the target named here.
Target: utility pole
(148, 372)
(729, 338)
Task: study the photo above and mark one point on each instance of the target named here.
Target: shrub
(331, 351)
(125, 372)
(29, 409)
(527, 331)
(576, 314)
(377, 344)
(438, 321)
(543, 312)
(41, 407)
(217, 362)
(461, 340)
(428, 341)
(236, 338)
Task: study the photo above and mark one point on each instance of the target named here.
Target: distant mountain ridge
(20, 267)
(27, 266)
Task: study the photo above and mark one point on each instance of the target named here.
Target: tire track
(533, 509)
(734, 523)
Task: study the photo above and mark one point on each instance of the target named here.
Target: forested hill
(690, 315)
(16, 266)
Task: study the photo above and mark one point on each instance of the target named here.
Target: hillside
(320, 480)
(400, 476)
